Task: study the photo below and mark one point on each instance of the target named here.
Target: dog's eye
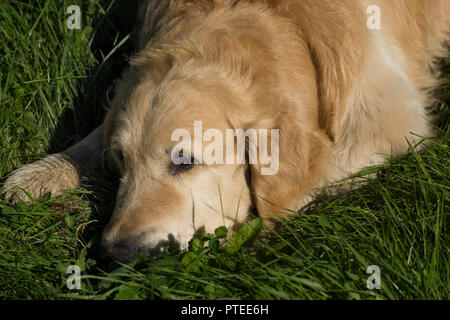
(181, 163)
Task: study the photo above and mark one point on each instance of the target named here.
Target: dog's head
(167, 191)
(175, 134)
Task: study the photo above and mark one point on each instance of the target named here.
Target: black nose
(124, 250)
(127, 249)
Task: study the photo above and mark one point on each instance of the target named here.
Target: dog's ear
(332, 102)
(335, 73)
(301, 155)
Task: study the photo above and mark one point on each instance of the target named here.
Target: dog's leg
(57, 172)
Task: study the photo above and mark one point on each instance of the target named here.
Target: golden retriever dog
(344, 83)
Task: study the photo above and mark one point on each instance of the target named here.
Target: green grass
(54, 83)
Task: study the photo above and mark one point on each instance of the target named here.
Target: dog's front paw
(54, 174)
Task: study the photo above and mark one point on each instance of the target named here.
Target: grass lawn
(54, 86)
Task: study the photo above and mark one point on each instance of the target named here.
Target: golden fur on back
(343, 97)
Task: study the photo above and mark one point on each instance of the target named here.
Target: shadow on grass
(92, 100)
